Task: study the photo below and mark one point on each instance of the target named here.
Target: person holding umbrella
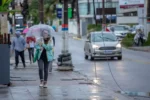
(45, 57)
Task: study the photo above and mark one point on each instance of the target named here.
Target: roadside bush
(147, 43)
(130, 35)
(94, 27)
(128, 40)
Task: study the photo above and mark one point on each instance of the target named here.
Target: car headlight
(95, 46)
(118, 45)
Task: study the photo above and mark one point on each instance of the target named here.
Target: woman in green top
(44, 57)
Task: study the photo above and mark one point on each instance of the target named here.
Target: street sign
(59, 13)
(131, 3)
(69, 12)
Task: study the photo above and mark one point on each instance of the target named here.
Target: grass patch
(94, 27)
(147, 43)
(128, 40)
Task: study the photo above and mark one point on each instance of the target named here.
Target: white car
(120, 31)
(102, 45)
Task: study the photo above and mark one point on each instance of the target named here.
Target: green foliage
(130, 35)
(48, 10)
(4, 7)
(128, 40)
(34, 12)
(94, 27)
(147, 43)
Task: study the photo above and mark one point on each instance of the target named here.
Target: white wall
(127, 20)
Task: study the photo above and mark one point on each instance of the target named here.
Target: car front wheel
(86, 57)
(92, 58)
(120, 58)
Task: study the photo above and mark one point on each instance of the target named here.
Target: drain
(72, 79)
(87, 83)
(21, 80)
(78, 79)
(138, 94)
(66, 79)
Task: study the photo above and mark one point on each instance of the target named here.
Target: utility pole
(41, 11)
(13, 17)
(64, 59)
(25, 11)
(103, 13)
(78, 18)
(94, 11)
(88, 5)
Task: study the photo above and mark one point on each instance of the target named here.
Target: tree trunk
(88, 5)
(78, 19)
(94, 12)
(41, 11)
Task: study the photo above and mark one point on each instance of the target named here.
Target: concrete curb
(136, 49)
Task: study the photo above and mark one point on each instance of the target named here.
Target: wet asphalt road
(132, 73)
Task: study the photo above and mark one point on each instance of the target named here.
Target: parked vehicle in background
(102, 45)
(120, 31)
(19, 23)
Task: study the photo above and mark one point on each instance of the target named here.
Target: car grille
(107, 48)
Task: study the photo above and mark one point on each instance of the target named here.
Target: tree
(50, 10)
(78, 18)
(25, 10)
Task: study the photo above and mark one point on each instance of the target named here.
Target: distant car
(101, 45)
(120, 31)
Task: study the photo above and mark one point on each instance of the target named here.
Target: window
(83, 8)
(99, 37)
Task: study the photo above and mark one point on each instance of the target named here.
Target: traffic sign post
(64, 59)
(59, 13)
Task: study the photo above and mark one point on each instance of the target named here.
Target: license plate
(107, 52)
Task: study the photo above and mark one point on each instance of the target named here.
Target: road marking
(138, 61)
(76, 38)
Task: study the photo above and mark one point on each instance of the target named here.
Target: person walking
(31, 44)
(45, 57)
(19, 46)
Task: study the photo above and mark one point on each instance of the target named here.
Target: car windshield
(99, 37)
(120, 28)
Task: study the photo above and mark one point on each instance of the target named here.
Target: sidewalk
(144, 49)
(61, 86)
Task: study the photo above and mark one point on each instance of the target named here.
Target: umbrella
(25, 30)
(139, 27)
(37, 30)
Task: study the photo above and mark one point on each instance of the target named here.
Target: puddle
(138, 94)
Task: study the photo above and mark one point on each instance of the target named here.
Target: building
(87, 12)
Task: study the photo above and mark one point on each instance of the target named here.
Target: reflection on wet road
(132, 73)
